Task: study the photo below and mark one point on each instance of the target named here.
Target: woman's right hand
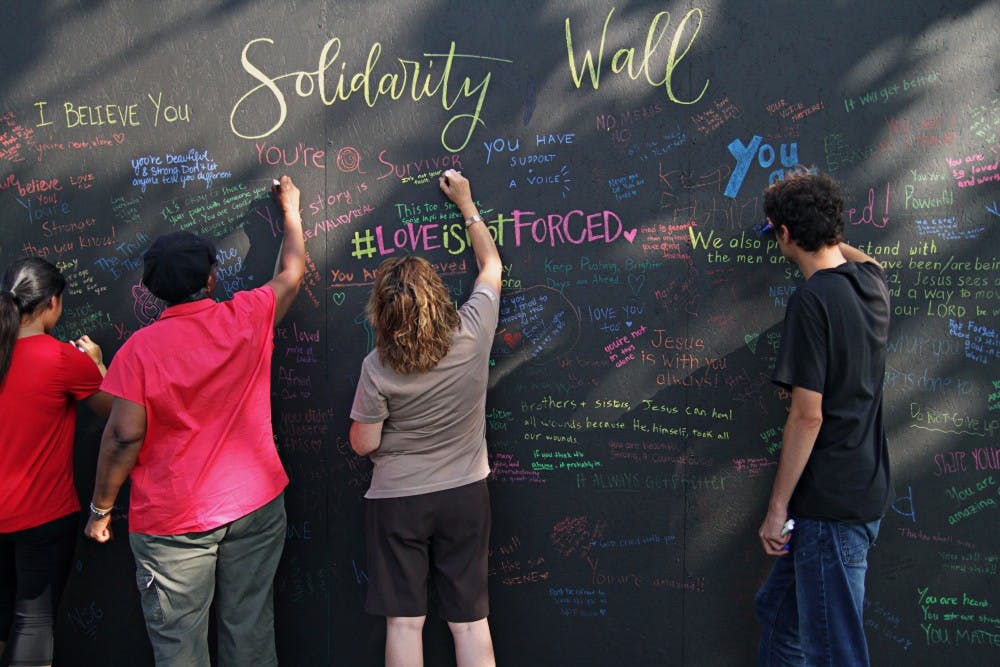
(287, 195)
(456, 188)
(90, 348)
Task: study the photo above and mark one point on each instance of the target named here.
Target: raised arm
(456, 188)
(852, 254)
(292, 257)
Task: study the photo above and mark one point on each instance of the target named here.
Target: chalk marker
(275, 181)
(787, 528)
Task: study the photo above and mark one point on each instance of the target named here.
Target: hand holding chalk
(90, 348)
(785, 530)
(287, 195)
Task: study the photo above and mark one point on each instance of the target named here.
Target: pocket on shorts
(149, 595)
(854, 543)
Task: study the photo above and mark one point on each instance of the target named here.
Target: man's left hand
(773, 541)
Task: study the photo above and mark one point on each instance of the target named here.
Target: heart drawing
(635, 282)
(512, 339)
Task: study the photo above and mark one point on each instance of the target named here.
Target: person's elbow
(363, 448)
(124, 435)
(293, 273)
(807, 420)
(806, 417)
(491, 273)
(293, 282)
(364, 438)
(126, 427)
(286, 286)
(354, 438)
(806, 410)
(99, 403)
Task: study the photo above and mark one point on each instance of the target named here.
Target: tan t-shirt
(434, 423)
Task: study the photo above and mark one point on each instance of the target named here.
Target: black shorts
(446, 535)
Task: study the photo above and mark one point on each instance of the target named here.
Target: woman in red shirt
(41, 379)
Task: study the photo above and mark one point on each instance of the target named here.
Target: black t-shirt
(834, 339)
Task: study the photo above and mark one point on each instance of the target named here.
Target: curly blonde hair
(412, 314)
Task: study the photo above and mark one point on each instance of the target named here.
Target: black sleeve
(803, 357)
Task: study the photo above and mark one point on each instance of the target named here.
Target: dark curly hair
(810, 205)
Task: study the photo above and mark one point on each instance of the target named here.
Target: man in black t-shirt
(833, 473)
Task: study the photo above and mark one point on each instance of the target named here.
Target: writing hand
(456, 187)
(90, 348)
(287, 195)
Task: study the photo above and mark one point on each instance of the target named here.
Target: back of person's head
(177, 266)
(809, 205)
(26, 287)
(412, 315)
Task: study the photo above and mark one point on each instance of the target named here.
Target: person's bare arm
(292, 258)
(365, 438)
(120, 445)
(456, 188)
(801, 429)
(99, 402)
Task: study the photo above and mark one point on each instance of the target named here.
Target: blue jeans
(811, 604)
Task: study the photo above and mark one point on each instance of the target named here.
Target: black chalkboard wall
(619, 152)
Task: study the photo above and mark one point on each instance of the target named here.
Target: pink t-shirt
(38, 408)
(203, 373)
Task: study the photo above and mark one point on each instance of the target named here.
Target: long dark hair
(27, 285)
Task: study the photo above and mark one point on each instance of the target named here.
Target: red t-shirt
(203, 373)
(38, 408)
